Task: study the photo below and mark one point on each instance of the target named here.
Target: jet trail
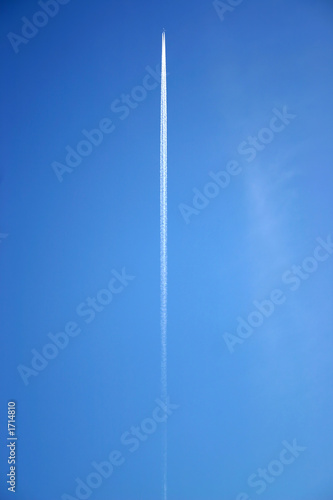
(164, 252)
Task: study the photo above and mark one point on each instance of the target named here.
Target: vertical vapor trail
(164, 251)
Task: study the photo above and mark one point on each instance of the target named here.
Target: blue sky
(67, 231)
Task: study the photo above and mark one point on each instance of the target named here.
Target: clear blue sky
(254, 89)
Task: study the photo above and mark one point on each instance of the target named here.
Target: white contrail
(164, 251)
